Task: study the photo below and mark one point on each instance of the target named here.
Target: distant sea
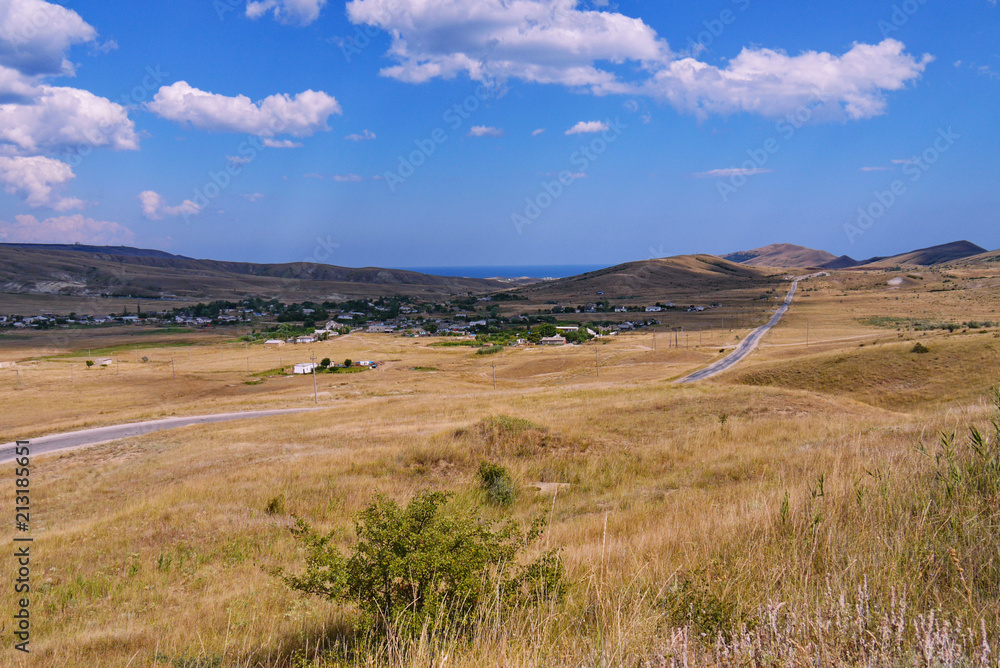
(533, 271)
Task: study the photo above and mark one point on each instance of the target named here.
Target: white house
(305, 368)
(306, 339)
(568, 329)
(273, 343)
(653, 309)
(380, 328)
(553, 340)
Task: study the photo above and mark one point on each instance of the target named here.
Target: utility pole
(494, 376)
(315, 388)
(173, 371)
(19, 378)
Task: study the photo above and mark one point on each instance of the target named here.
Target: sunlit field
(798, 509)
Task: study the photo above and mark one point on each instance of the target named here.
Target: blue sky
(489, 132)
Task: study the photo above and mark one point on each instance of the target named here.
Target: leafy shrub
(920, 348)
(348, 363)
(324, 363)
(426, 566)
(90, 363)
(490, 350)
(496, 482)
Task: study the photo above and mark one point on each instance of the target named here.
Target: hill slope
(675, 278)
(153, 274)
(782, 255)
(950, 252)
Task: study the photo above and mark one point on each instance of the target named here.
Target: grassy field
(798, 510)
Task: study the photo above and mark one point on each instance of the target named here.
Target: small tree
(425, 563)
(431, 327)
(324, 363)
(348, 363)
(90, 363)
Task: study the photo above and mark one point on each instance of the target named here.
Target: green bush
(920, 348)
(324, 363)
(491, 350)
(496, 482)
(426, 566)
(348, 363)
(90, 363)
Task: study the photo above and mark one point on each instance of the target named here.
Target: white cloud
(238, 159)
(874, 169)
(154, 206)
(538, 132)
(557, 42)
(294, 12)
(485, 131)
(584, 127)
(733, 171)
(62, 117)
(34, 36)
(347, 178)
(36, 178)
(281, 143)
(64, 229)
(299, 116)
(773, 84)
(253, 197)
(366, 135)
(544, 41)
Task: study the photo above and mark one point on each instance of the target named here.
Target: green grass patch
(492, 350)
(456, 344)
(426, 368)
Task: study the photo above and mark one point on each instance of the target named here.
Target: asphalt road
(746, 346)
(79, 439)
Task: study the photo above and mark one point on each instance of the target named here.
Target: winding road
(748, 344)
(97, 435)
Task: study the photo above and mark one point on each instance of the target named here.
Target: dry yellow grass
(161, 546)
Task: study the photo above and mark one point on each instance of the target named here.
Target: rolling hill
(119, 271)
(678, 278)
(782, 255)
(950, 252)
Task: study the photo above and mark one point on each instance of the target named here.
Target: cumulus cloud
(772, 83)
(34, 36)
(299, 116)
(154, 206)
(366, 135)
(36, 118)
(485, 131)
(544, 41)
(65, 230)
(36, 179)
(347, 178)
(557, 42)
(585, 127)
(293, 12)
(60, 117)
(731, 171)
